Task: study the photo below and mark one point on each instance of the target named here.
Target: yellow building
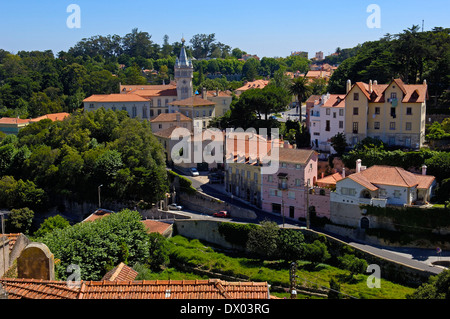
(393, 113)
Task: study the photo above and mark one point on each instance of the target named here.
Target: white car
(175, 207)
(194, 171)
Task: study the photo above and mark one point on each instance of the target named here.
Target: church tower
(184, 72)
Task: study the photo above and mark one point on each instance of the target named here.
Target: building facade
(393, 113)
(326, 118)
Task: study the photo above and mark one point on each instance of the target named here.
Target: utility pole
(5, 250)
(99, 202)
(293, 280)
(307, 205)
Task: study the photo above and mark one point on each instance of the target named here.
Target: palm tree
(300, 88)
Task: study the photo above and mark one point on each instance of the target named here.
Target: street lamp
(99, 202)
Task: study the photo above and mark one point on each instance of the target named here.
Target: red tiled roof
(335, 100)
(257, 84)
(171, 117)
(13, 120)
(142, 289)
(167, 133)
(330, 179)
(54, 117)
(390, 175)
(153, 226)
(115, 98)
(192, 101)
(120, 272)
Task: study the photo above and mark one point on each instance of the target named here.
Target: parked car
(174, 206)
(222, 213)
(194, 171)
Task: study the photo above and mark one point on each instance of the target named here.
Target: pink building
(285, 192)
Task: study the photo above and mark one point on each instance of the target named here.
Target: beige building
(393, 113)
(166, 120)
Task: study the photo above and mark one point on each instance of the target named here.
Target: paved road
(413, 257)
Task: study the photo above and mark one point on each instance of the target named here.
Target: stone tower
(183, 74)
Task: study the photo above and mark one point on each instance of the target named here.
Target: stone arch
(364, 223)
(36, 262)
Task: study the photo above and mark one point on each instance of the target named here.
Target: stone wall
(4, 254)
(207, 204)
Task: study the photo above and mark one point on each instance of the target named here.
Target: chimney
(424, 169)
(217, 91)
(370, 87)
(375, 82)
(349, 85)
(358, 165)
(322, 174)
(286, 144)
(203, 93)
(343, 172)
(424, 82)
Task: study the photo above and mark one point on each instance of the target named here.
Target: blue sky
(265, 28)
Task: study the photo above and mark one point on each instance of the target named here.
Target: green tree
(20, 220)
(301, 89)
(262, 240)
(50, 224)
(437, 287)
(316, 252)
(339, 143)
(290, 245)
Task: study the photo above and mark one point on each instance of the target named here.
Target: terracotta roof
(295, 155)
(12, 239)
(390, 175)
(171, 117)
(18, 288)
(424, 181)
(412, 93)
(115, 98)
(335, 100)
(167, 133)
(96, 215)
(257, 84)
(13, 120)
(130, 88)
(313, 98)
(153, 226)
(330, 179)
(54, 117)
(121, 272)
(221, 94)
(192, 101)
(142, 289)
(147, 93)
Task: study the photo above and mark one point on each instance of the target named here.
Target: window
(341, 124)
(91, 105)
(376, 125)
(355, 96)
(377, 110)
(291, 195)
(391, 140)
(159, 102)
(270, 178)
(392, 125)
(151, 102)
(355, 127)
(355, 111)
(327, 126)
(341, 112)
(397, 193)
(255, 176)
(159, 111)
(160, 126)
(393, 112)
(204, 113)
(283, 164)
(408, 126)
(298, 182)
(298, 166)
(393, 95)
(151, 113)
(409, 111)
(210, 112)
(327, 111)
(197, 114)
(166, 102)
(144, 112)
(334, 115)
(124, 108)
(348, 191)
(316, 133)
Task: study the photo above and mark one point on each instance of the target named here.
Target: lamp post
(99, 202)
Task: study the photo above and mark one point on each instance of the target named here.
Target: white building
(326, 117)
(377, 185)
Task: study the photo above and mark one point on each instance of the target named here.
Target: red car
(222, 213)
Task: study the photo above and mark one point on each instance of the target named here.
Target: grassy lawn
(197, 254)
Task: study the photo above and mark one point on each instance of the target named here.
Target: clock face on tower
(184, 81)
